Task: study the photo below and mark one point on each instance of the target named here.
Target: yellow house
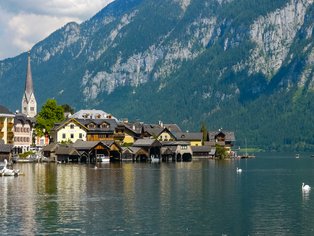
(69, 131)
(166, 135)
(6, 125)
(128, 133)
(194, 138)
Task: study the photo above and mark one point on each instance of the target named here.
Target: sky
(23, 23)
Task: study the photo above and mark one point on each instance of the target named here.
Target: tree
(67, 108)
(50, 114)
(204, 132)
(221, 152)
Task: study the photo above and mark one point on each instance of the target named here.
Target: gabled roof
(135, 128)
(188, 136)
(66, 122)
(174, 143)
(172, 127)
(168, 150)
(146, 142)
(152, 129)
(134, 150)
(229, 136)
(50, 147)
(92, 114)
(66, 150)
(5, 148)
(83, 145)
(112, 123)
(5, 111)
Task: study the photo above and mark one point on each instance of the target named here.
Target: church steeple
(29, 104)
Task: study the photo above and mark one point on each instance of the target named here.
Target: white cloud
(24, 23)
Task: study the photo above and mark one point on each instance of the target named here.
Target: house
(128, 133)
(6, 125)
(70, 130)
(134, 153)
(41, 141)
(152, 148)
(66, 153)
(158, 132)
(203, 151)
(99, 129)
(195, 138)
(49, 151)
(222, 138)
(90, 151)
(177, 151)
(23, 133)
(92, 114)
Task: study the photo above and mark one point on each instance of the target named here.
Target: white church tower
(29, 104)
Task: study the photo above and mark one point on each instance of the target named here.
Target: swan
(239, 170)
(306, 187)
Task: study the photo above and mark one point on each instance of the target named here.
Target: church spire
(29, 80)
(29, 105)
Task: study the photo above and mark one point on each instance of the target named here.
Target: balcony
(119, 136)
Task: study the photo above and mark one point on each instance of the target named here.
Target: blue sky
(25, 22)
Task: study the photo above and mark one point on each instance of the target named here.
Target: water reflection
(305, 195)
(197, 198)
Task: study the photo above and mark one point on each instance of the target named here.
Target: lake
(203, 197)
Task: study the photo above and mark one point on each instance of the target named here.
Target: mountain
(245, 66)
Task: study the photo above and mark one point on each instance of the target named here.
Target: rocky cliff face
(274, 35)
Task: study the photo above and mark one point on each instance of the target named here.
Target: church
(29, 104)
(24, 121)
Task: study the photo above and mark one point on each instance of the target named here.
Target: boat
(297, 155)
(246, 155)
(4, 171)
(103, 158)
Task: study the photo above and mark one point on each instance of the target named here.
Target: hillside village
(88, 136)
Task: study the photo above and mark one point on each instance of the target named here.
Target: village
(91, 136)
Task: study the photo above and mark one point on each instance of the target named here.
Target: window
(91, 125)
(72, 135)
(80, 135)
(32, 109)
(71, 126)
(63, 136)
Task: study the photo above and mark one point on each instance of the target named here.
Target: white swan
(239, 170)
(8, 172)
(305, 187)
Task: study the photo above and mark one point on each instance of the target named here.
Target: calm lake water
(198, 198)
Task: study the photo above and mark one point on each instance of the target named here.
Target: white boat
(103, 158)
(297, 156)
(4, 171)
